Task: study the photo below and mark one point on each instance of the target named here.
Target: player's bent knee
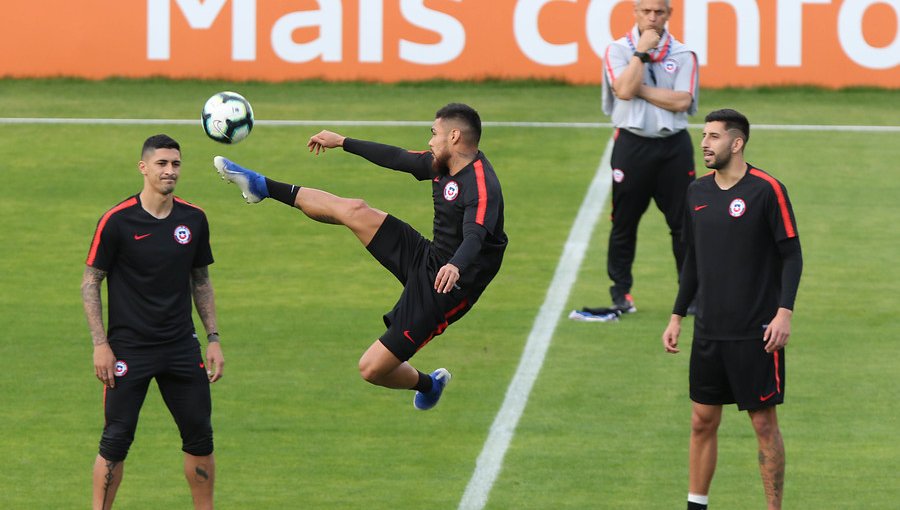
(373, 371)
(377, 364)
(369, 372)
(355, 208)
(358, 214)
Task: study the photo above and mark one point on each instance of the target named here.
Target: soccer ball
(227, 117)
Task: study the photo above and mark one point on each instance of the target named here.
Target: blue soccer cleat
(439, 380)
(253, 185)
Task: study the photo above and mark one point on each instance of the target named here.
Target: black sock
(695, 506)
(285, 193)
(425, 383)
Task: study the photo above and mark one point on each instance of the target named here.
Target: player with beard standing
(743, 264)
(442, 279)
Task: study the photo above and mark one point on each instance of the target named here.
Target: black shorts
(421, 313)
(184, 385)
(742, 372)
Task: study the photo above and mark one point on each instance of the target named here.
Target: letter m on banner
(200, 16)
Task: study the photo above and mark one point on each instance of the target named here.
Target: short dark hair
(159, 142)
(465, 114)
(733, 119)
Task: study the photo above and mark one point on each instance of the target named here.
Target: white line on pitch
(416, 123)
(490, 461)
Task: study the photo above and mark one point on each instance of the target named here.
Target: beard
(440, 164)
(719, 161)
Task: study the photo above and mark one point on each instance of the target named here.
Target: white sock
(697, 498)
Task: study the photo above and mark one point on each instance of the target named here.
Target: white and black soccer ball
(227, 117)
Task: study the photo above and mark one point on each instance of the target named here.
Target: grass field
(607, 422)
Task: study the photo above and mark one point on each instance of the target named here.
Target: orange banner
(831, 43)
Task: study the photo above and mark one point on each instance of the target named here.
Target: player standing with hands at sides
(743, 264)
(650, 86)
(153, 250)
(442, 279)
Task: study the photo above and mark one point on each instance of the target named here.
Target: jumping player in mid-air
(442, 279)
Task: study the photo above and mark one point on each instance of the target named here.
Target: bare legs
(771, 454)
(199, 471)
(353, 213)
(377, 365)
(107, 477)
(705, 421)
(201, 475)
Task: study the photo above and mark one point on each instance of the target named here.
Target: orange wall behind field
(841, 42)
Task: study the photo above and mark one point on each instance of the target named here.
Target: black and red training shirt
(743, 257)
(149, 263)
(468, 209)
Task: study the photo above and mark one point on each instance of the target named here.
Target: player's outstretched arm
(417, 163)
(324, 140)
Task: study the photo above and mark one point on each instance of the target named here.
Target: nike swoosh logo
(139, 237)
(767, 397)
(406, 334)
(698, 207)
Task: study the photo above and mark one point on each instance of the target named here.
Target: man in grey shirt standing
(650, 86)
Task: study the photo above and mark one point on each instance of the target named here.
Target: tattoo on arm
(204, 298)
(325, 218)
(93, 304)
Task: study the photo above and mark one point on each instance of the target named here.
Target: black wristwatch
(643, 55)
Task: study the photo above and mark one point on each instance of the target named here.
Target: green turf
(607, 423)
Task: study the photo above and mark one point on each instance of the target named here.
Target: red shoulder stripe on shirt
(609, 69)
(482, 193)
(185, 202)
(96, 242)
(782, 201)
